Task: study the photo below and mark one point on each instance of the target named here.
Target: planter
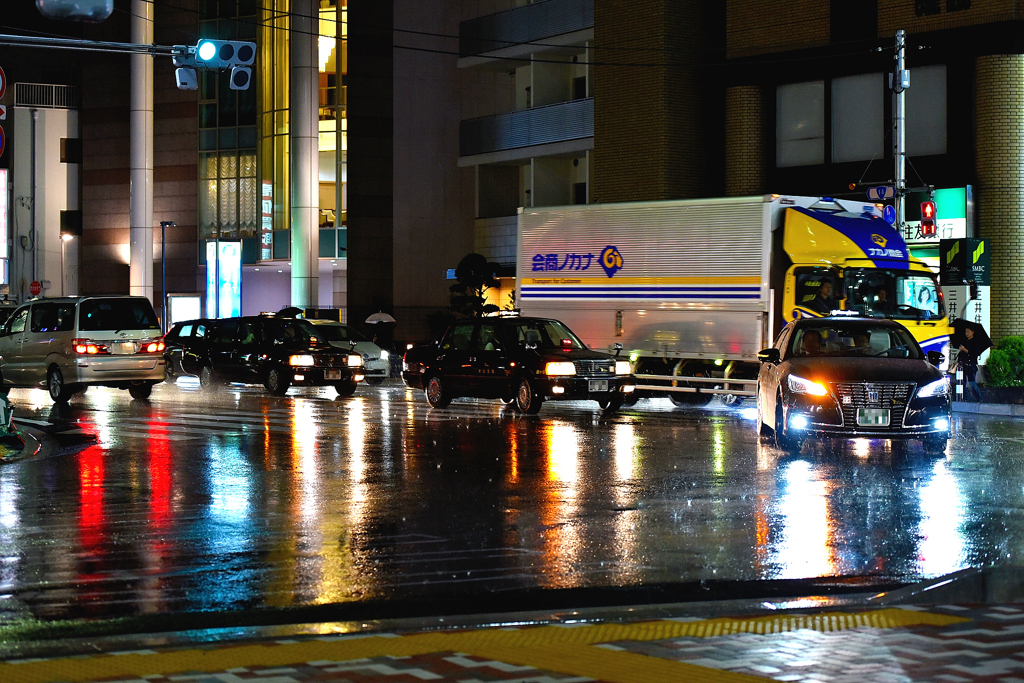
(1002, 395)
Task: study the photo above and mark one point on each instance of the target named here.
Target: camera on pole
(215, 55)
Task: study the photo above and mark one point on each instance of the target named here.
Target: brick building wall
(106, 149)
(756, 27)
(916, 16)
(999, 138)
(744, 141)
(654, 107)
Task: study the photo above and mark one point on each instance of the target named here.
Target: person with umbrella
(971, 341)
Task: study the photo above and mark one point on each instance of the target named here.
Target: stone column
(999, 164)
(744, 141)
(140, 274)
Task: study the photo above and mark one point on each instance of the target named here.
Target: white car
(376, 361)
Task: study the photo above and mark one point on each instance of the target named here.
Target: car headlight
(799, 385)
(560, 368)
(384, 355)
(939, 387)
(622, 367)
(353, 360)
(303, 360)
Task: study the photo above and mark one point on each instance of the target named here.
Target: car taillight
(153, 346)
(89, 347)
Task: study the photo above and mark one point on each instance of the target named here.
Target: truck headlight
(622, 367)
(799, 385)
(939, 387)
(353, 360)
(304, 360)
(560, 368)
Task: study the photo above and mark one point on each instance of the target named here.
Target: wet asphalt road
(199, 502)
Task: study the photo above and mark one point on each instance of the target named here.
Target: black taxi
(851, 377)
(522, 361)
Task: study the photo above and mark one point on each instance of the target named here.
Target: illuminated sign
(267, 223)
(223, 279)
(4, 230)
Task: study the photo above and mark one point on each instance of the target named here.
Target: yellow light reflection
(718, 446)
(805, 549)
(625, 448)
(943, 547)
(560, 539)
(304, 442)
(563, 455)
(356, 438)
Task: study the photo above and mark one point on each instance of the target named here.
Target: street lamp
(64, 239)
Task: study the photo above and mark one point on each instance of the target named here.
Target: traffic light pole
(900, 82)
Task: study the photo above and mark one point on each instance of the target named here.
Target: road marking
(569, 651)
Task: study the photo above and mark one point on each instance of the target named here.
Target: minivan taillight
(89, 347)
(151, 346)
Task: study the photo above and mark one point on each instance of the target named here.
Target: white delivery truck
(693, 289)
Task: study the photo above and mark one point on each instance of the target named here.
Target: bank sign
(964, 261)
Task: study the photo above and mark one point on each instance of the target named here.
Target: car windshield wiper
(891, 348)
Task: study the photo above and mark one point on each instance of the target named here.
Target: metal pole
(900, 82)
(163, 273)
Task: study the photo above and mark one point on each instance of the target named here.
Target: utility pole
(899, 81)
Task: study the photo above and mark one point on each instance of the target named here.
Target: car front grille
(595, 368)
(893, 396)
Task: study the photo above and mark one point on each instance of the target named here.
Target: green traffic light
(207, 50)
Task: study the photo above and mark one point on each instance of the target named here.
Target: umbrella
(960, 326)
(290, 312)
(380, 317)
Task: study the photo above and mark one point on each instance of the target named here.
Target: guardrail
(641, 386)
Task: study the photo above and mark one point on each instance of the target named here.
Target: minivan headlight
(799, 385)
(939, 387)
(622, 367)
(304, 360)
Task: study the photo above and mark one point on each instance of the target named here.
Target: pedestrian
(967, 361)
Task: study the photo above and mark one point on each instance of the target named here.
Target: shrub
(1005, 366)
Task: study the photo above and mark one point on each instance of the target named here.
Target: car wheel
(206, 378)
(698, 400)
(59, 392)
(934, 446)
(785, 441)
(374, 381)
(276, 382)
(508, 401)
(437, 393)
(762, 428)
(611, 405)
(345, 389)
(140, 391)
(528, 401)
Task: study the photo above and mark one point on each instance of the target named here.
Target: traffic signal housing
(215, 55)
(928, 219)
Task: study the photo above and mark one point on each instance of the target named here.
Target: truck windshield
(901, 294)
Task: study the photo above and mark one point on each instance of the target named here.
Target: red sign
(35, 288)
(3, 82)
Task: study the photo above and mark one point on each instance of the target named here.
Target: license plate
(599, 385)
(873, 417)
(122, 348)
(333, 374)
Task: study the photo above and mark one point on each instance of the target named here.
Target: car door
(35, 347)
(490, 362)
(221, 346)
(11, 364)
(768, 379)
(452, 359)
(245, 355)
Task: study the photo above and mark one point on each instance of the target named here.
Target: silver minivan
(70, 343)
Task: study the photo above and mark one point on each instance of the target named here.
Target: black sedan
(851, 378)
(518, 360)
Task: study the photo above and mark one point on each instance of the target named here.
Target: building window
(858, 115)
(227, 195)
(800, 124)
(926, 111)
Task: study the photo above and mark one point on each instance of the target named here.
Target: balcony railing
(525, 24)
(528, 127)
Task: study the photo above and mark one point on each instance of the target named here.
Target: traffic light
(928, 219)
(215, 55)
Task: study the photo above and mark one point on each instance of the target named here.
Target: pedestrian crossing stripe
(568, 651)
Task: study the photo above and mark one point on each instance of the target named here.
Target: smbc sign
(963, 261)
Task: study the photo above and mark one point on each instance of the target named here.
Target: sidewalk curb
(1008, 409)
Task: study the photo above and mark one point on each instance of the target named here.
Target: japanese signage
(610, 260)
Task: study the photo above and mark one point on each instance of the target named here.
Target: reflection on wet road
(195, 501)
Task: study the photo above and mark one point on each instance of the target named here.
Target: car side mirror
(936, 357)
(618, 348)
(769, 356)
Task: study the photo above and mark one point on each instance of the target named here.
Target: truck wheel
(141, 390)
(934, 446)
(59, 392)
(276, 382)
(437, 393)
(528, 401)
(784, 441)
(346, 389)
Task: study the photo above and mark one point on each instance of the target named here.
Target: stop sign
(35, 288)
